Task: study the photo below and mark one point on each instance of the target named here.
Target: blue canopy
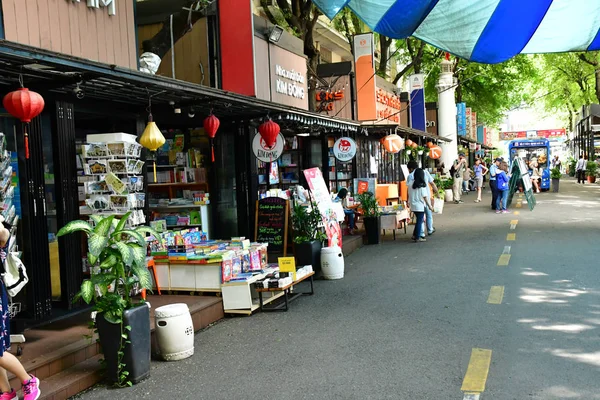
(486, 31)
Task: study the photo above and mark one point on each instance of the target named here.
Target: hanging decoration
(268, 131)
(414, 145)
(430, 144)
(435, 152)
(152, 138)
(24, 105)
(409, 143)
(393, 143)
(211, 125)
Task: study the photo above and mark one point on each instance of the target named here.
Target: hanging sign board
(520, 177)
(271, 223)
(265, 153)
(322, 197)
(344, 149)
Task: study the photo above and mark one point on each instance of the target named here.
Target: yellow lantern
(152, 139)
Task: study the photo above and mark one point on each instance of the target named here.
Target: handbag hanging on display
(15, 275)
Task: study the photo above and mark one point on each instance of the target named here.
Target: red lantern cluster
(268, 132)
(24, 105)
(211, 125)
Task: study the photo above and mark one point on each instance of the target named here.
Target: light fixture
(275, 34)
(303, 134)
(177, 110)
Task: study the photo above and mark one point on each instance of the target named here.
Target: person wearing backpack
(457, 171)
(502, 179)
(8, 362)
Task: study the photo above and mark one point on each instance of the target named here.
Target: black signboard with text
(271, 225)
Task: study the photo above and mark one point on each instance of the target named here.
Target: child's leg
(4, 384)
(8, 362)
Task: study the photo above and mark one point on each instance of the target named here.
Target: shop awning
(385, 129)
(46, 71)
(487, 31)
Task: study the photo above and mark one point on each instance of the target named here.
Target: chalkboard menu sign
(272, 223)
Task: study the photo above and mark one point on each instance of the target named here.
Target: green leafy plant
(368, 204)
(572, 165)
(591, 168)
(423, 150)
(555, 173)
(117, 255)
(305, 224)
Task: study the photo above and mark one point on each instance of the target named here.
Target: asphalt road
(404, 321)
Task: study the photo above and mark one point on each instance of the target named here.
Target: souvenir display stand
(113, 182)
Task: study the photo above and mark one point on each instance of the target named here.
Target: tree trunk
(597, 76)
(311, 51)
(384, 52)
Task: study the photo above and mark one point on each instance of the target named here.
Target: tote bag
(15, 276)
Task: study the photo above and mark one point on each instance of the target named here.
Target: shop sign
(295, 87)
(322, 197)
(546, 133)
(110, 4)
(469, 123)
(388, 106)
(344, 149)
(461, 119)
(326, 99)
(265, 153)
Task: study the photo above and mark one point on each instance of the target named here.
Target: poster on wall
(344, 149)
(322, 197)
(265, 153)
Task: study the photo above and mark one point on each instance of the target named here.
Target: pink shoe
(31, 389)
(498, 212)
(504, 211)
(12, 395)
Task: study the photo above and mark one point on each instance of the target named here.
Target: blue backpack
(502, 179)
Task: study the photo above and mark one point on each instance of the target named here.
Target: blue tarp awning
(486, 31)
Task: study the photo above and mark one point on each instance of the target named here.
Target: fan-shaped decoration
(24, 105)
(435, 152)
(152, 139)
(211, 125)
(393, 143)
(268, 131)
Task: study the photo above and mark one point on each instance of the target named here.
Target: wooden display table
(241, 297)
(286, 294)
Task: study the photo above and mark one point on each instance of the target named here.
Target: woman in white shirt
(419, 200)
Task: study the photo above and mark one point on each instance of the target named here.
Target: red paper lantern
(435, 152)
(268, 131)
(408, 143)
(24, 105)
(414, 145)
(430, 144)
(211, 125)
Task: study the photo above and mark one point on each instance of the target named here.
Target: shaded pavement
(404, 320)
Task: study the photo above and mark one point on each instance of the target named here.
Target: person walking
(493, 182)
(458, 171)
(419, 200)
(428, 224)
(580, 169)
(480, 171)
(502, 179)
(8, 362)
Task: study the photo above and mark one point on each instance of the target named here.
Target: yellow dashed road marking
(511, 237)
(503, 260)
(477, 371)
(496, 295)
(514, 222)
(517, 212)
(519, 205)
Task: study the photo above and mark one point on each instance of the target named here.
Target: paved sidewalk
(404, 320)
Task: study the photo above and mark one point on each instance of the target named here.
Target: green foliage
(572, 165)
(591, 168)
(368, 204)
(118, 259)
(305, 224)
(555, 173)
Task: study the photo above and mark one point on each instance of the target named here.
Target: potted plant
(117, 255)
(555, 175)
(571, 166)
(590, 170)
(371, 216)
(308, 237)
(420, 150)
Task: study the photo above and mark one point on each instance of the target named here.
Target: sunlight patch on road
(587, 358)
(531, 295)
(565, 328)
(533, 273)
(477, 371)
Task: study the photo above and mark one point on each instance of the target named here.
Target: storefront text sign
(326, 99)
(549, 133)
(291, 84)
(388, 106)
(322, 197)
(110, 4)
(265, 153)
(344, 149)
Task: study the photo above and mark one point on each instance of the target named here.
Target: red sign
(548, 133)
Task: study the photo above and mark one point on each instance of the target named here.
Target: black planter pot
(555, 184)
(373, 229)
(137, 353)
(308, 253)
